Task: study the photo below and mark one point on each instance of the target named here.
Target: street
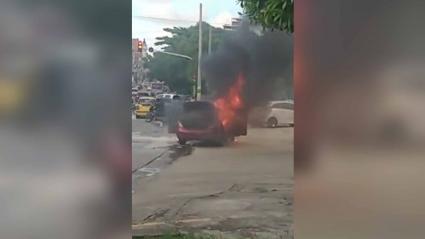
(243, 189)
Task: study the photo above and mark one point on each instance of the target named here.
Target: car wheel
(272, 122)
(137, 117)
(182, 141)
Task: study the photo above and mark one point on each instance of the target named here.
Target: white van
(276, 113)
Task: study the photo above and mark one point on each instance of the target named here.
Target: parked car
(146, 99)
(143, 94)
(143, 107)
(142, 110)
(166, 96)
(134, 91)
(276, 113)
(199, 121)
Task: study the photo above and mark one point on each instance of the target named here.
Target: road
(243, 189)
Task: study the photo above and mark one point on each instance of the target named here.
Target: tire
(272, 122)
(138, 117)
(182, 141)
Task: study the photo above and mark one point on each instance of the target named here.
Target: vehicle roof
(200, 102)
(281, 101)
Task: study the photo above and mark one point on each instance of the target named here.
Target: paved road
(245, 188)
(149, 142)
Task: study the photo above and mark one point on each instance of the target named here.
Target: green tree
(273, 14)
(177, 72)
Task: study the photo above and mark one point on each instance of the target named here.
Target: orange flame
(228, 104)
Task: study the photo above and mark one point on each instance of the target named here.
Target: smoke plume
(265, 60)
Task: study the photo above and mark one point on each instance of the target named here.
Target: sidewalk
(242, 191)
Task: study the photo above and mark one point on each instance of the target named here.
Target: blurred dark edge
(68, 67)
(359, 134)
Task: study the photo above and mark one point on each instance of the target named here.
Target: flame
(228, 104)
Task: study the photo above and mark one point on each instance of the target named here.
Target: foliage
(177, 72)
(273, 14)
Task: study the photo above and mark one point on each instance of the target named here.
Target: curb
(158, 229)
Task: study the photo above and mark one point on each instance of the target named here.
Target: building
(139, 52)
(236, 22)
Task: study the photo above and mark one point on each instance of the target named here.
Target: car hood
(144, 108)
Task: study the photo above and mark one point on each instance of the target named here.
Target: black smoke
(265, 59)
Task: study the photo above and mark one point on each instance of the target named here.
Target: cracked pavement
(242, 190)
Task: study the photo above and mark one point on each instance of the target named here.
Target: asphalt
(241, 190)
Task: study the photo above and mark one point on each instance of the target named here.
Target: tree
(178, 72)
(273, 14)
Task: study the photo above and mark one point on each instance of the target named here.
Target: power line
(174, 20)
(166, 19)
(157, 31)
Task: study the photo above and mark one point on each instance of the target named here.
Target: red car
(199, 121)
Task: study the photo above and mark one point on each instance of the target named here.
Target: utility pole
(199, 86)
(209, 40)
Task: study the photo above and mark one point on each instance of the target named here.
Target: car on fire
(200, 121)
(275, 114)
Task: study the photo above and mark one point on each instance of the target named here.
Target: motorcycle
(155, 115)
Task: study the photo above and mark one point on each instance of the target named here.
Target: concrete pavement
(149, 144)
(242, 190)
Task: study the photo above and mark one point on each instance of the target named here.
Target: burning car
(200, 120)
(220, 121)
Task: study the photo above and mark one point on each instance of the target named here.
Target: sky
(183, 13)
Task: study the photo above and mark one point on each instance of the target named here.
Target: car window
(277, 106)
(145, 101)
(286, 106)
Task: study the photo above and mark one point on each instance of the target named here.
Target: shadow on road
(277, 127)
(178, 151)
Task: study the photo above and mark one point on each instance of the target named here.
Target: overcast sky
(182, 12)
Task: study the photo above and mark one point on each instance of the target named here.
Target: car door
(288, 113)
(284, 113)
